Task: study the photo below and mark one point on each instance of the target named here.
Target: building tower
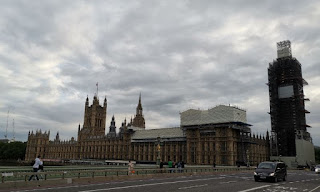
(37, 144)
(94, 119)
(287, 107)
(112, 128)
(138, 120)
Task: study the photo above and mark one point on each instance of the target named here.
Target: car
(271, 171)
(317, 169)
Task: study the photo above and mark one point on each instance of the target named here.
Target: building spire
(87, 101)
(105, 101)
(138, 120)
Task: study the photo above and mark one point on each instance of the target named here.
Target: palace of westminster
(218, 135)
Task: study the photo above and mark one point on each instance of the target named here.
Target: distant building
(4, 141)
(219, 135)
(290, 137)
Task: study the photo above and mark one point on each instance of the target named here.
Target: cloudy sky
(179, 54)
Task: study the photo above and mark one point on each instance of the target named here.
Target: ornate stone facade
(202, 138)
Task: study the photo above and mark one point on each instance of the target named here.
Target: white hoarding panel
(285, 92)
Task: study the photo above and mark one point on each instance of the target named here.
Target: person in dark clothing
(161, 166)
(182, 166)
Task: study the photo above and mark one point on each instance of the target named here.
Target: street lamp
(248, 160)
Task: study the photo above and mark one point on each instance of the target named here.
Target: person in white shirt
(36, 167)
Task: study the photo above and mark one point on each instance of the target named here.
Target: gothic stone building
(219, 135)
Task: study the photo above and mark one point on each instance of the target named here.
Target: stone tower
(138, 120)
(36, 145)
(94, 119)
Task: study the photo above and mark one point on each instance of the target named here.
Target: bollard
(92, 174)
(2, 179)
(45, 176)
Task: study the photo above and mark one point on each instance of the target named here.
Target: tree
(317, 153)
(13, 151)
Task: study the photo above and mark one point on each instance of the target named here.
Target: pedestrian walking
(161, 167)
(170, 166)
(173, 166)
(179, 167)
(37, 163)
(40, 170)
(182, 166)
(130, 168)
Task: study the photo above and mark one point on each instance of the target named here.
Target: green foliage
(13, 151)
(317, 154)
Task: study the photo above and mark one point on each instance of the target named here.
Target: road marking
(315, 188)
(194, 186)
(227, 182)
(252, 189)
(151, 184)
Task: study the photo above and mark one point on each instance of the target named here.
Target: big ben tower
(290, 138)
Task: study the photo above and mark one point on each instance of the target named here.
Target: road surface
(297, 181)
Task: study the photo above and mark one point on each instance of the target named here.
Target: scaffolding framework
(287, 102)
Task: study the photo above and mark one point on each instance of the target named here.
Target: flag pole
(97, 88)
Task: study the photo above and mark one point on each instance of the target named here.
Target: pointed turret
(87, 101)
(95, 100)
(57, 137)
(139, 107)
(138, 120)
(112, 128)
(105, 102)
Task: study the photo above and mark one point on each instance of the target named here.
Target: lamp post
(158, 151)
(248, 160)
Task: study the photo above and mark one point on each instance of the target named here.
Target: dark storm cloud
(186, 54)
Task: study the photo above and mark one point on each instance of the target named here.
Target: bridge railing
(50, 175)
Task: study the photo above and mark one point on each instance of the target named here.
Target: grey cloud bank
(179, 55)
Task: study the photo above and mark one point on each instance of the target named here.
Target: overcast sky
(177, 54)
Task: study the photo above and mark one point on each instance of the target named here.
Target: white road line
(194, 186)
(315, 188)
(151, 184)
(228, 182)
(252, 189)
